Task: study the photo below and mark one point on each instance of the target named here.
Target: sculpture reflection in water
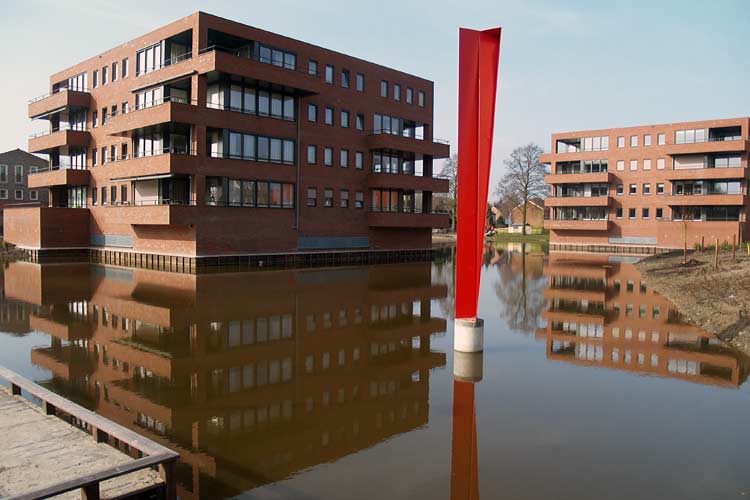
(600, 312)
(251, 377)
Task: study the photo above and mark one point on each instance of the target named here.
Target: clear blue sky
(563, 66)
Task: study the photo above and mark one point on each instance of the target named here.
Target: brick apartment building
(208, 137)
(15, 167)
(649, 186)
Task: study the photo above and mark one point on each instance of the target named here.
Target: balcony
(704, 199)
(717, 145)
(707, 173)
(58, 176)
(582, 178)
(43, 106)
(155, 213)
(230, 61)
(406, 182)
(169, 109)
(577, 201)
(168, 161)
(384, 140)
(577, 225)
(46, 141)
(416, 219)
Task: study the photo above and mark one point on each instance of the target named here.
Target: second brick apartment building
(650, 186)
(208, 137)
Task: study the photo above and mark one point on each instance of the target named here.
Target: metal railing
(213, 105)
(101, 430)
(412, 173)
(228, 156)
(257, 58)
(407, 210)
(55, 130)
(58, 91)
(39, 170)
(165, 63)
(419, 137)
(157, 152)
(191, 202)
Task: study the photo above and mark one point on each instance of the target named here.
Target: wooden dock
(63, 449)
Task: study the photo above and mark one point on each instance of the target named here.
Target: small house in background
(15, 166)
(534, 215)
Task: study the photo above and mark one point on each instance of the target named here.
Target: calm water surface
(338, 383)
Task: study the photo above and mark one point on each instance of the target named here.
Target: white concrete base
(468, 366)
(468, 335)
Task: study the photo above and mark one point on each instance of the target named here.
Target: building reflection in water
(250, 377)
(600, 312)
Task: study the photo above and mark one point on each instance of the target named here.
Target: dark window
(631, 213)
(383, 88)
(397, 91)
(420, 99)
(104, 195)
(328, 203)
(619, 213)
(113, 194)
(345, 78)
(360, 121)
(659, 213)
(409, 95)
(359, 200)
(644, 213)
(312, 197)
(344, 198)
(312, 67)
(360, 82)
(123, 194)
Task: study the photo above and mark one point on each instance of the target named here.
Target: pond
(335, 383)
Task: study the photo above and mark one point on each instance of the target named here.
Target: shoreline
(716, 300)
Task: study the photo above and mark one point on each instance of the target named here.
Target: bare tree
(450, 171)
(523, 179)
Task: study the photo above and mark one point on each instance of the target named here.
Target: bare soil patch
(715, 299)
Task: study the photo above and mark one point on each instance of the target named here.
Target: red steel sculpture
(478, 62)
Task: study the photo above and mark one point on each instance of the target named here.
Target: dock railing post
(90, 492)
(166, 471)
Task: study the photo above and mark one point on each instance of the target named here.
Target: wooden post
(90, 492)
(734, 246)
(684, 252)
(716, 255)
(703, 243)
(167, 473)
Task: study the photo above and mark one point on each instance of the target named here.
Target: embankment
(715, 299)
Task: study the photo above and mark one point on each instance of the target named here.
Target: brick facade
(655, 186)
(175, 128)
(14, 188)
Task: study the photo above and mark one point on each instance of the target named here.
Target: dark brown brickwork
(150, 222)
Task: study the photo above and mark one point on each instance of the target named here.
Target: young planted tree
(523, 179)
(450, 172)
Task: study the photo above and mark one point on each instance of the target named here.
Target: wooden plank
(44, 456)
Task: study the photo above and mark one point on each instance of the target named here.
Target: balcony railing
(157, 152)
(153, 103)
(165, 63)
(50, 94)
(407, 210)
(228, 156)
(260, 59)
(213, 105)
(55, 130)
(191, 202)
(38, 170)
(411, 173)
(419, 137)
